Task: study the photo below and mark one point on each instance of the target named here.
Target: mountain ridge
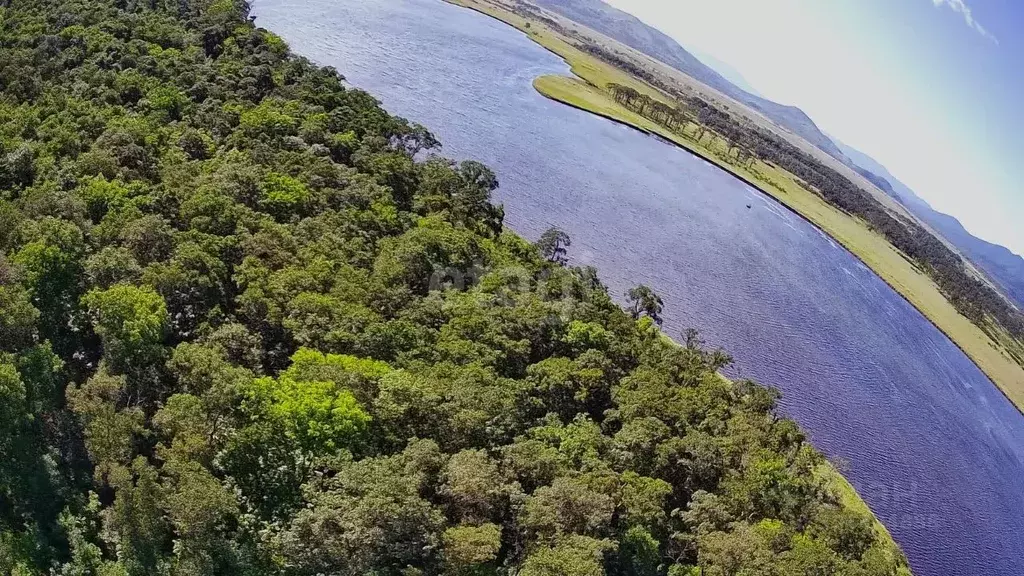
(640, 36)
(999, 263)
(725, 70)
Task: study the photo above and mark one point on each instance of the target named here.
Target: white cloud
(964, 10)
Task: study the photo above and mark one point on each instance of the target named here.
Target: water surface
(932, 445)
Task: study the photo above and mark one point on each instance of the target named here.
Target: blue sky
(933, 89)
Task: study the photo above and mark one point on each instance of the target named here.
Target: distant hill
(880, 176)
(726, 71)
(632, 32)
(1001, 265)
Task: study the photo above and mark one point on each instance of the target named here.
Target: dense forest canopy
(250, 325)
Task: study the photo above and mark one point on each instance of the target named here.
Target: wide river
(931, 444)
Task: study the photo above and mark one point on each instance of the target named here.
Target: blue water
(932, 445)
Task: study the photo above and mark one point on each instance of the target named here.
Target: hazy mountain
(880, 176)
(632, 32)
(725, 70)
(1001, 265)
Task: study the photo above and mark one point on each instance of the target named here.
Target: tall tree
(644, 301)
(554, 244)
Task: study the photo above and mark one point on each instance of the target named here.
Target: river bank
(588, 98)
(989, 347)
(927, 440)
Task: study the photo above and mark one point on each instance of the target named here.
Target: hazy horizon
(928, 88)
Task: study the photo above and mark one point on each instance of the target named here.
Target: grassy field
(993, 352)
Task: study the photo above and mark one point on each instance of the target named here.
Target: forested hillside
(250, 326)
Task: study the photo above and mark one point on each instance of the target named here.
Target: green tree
(568, 506)
(283, 195)
(571, 556)
(320, 416)
(643, 301)
(110, 419)
(134, 525)
(554, 244)
(639, 552)
(14, 413)
(471, 549)
(18, 318)
(86, 556)
(473, 486)
(51, 267)
(368, 516)
(132, 323)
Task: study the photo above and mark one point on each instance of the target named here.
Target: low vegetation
(249, 325)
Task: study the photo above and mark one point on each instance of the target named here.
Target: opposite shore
(586, 92)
